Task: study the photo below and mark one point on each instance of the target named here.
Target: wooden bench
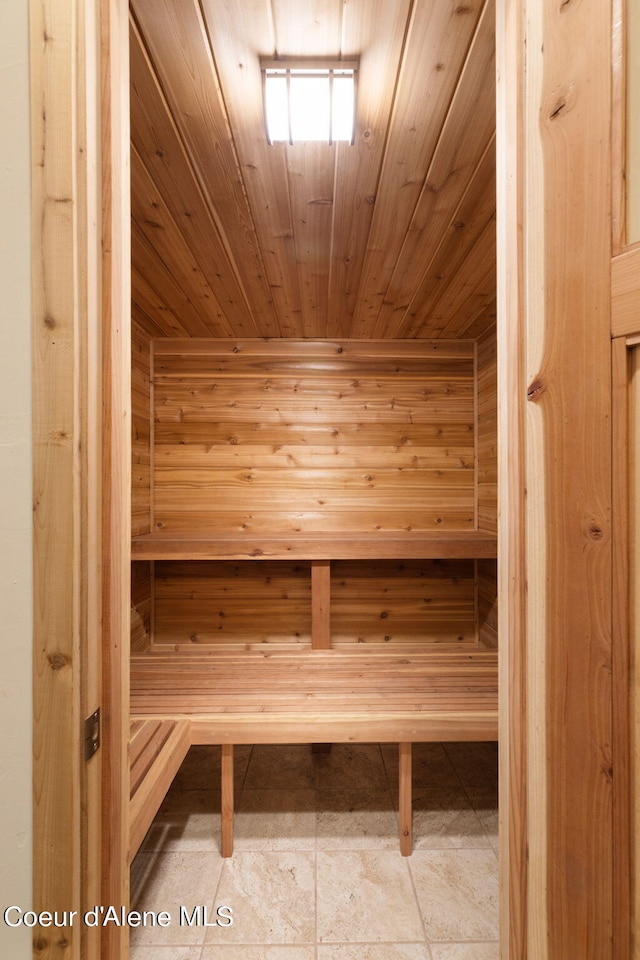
(157, 747)
(318, 696)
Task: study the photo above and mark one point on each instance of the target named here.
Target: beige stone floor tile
(356, 820)
(281, 767)
(185, 822)
(167, 881)
(431, 767)
(352, 766)
(465, 951)
(444, 817)
(458, 893)
(484, 792)
(272, 896)
(275, 820)
(374, 951)
(486, 807)
(366, 896)
(475, 763)
(165, 953)
(200, 769)
(248, 952)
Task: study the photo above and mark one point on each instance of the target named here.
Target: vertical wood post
(513, 877)
(405, 801)
(623, 522)
(226, 777)
(320, 604)
(554, 207)
(116, 307)
(57, 388)
(67, 468)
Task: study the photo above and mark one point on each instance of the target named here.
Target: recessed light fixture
(309, 100)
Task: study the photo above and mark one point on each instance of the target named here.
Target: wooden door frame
(547, 910)
(81, 464)
(554, 178)
(625, 333)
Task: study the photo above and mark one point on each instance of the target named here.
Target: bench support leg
(405, 802)
(226, 776)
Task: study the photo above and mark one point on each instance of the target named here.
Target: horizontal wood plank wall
(487, 472)
(487, 585)
(141, 600)
(141, 431)
(300, 436)
(141, 502)
(405, 604)
(488, 433)
(232, 605)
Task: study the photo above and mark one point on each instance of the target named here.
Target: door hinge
(92, 734)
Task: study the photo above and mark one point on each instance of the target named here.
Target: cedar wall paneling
(246, 604)
(284, 437)
(141, 600)
(393, 604)
(488, 433)
(141, 572)
(487, 578)
(487, 454)
(280, 437)
(249, 604)
(141, 431)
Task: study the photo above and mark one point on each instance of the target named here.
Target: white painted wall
(15, 476)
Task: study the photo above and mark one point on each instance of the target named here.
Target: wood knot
(49, 322)
(57, 661)
(596, 532)
(536, 389)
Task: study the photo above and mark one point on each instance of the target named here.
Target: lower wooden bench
(156, 750)
(320, 696)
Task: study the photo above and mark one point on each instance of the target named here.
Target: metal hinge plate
(92, 734)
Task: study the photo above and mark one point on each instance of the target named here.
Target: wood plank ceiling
(391, 237)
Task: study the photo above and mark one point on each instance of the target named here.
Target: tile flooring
(316, 872)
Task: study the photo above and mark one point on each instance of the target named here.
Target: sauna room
(267, 584)
(314, 463)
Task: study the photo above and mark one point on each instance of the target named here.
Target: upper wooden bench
(417, 545)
